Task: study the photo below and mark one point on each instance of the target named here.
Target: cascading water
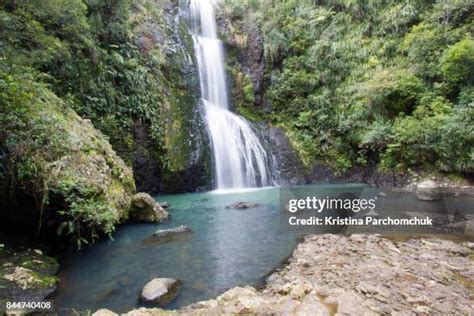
(239, 157)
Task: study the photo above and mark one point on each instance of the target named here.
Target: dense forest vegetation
(101, 60)
(359, 81)
(93, 55)
(84, 54)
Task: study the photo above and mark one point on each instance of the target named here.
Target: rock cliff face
(321, 173)
(244, 61)
(245, 70)
(289, 167)
(180, 162)
(59, 174)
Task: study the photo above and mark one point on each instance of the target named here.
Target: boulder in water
(145, 209)
(163, 233)
(161, 291)
(165, 205)
(243, 205)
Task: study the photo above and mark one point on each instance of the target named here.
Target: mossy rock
(145, 209)
(60, 160)
(26, 276)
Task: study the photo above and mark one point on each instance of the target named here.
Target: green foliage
(88, 51)
(378, 135)
(383, 80)
(86, 220)
(390, 91)
(275, 46)
(457, 63)
(455, 149)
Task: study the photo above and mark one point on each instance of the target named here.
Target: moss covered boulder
(145, 209)
(58, 173)
(26, 276)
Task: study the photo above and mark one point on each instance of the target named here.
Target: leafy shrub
(457, 63)
(391, 91)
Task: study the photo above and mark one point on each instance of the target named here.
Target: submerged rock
(163, 233)
(243, 205)
(145, 209)
(165, 205)
(161, 291)
(428, 190)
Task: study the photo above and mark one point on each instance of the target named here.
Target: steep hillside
(359, 83)
(128, 67)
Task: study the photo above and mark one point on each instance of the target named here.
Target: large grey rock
(145, 209)
(161, 291)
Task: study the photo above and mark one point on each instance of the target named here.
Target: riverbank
(357, 274)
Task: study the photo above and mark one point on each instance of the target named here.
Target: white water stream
(239, 157)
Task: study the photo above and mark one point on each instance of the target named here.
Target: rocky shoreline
(357, 275)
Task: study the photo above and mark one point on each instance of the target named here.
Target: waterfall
(240, 160)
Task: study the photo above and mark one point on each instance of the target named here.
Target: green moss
(44, 281)
(32, 264)
(34, 261)
(250, 114)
